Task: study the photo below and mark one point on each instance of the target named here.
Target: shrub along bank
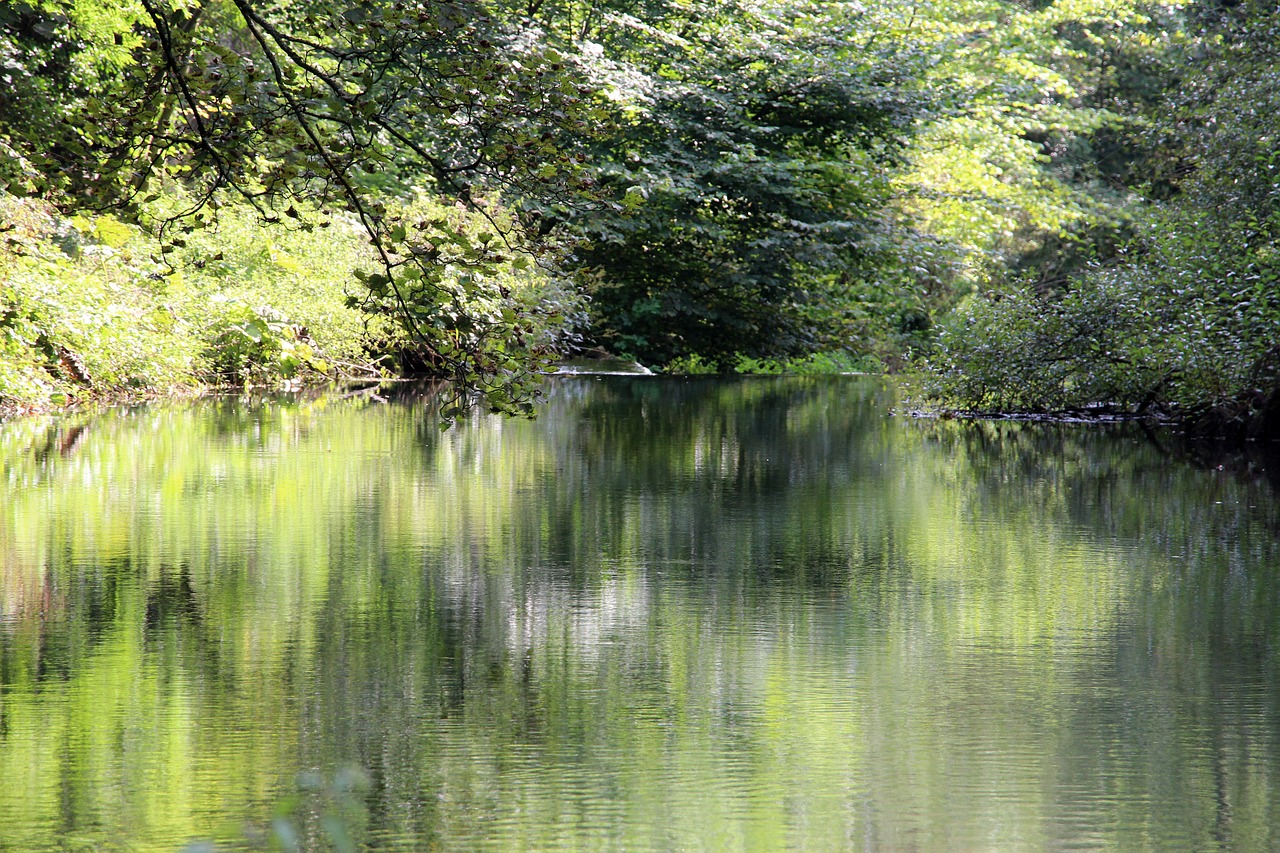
(90, 310)
(93, 309)
(1183, 320)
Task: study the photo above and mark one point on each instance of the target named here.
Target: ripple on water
(665, 615)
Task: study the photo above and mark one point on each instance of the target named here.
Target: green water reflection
(669, 614)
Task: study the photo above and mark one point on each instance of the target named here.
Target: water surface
(668, 615)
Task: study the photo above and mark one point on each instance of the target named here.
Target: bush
(290, 274)
(1190, 327)
(483, 292)
(1187, 317)
(79, 314)
(92, 306)
(88, 308)
(255, 345)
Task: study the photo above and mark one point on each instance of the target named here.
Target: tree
(749, 158)
(1017, 165)
(297, 105)
(1185, 318)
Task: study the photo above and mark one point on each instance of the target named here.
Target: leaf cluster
(297, 107)
(753, 153)
(1186, 317)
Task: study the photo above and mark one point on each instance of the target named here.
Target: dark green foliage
(1187, 320)
(747, 167)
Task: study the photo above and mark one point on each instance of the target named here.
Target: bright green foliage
(252, 344)
(506, 308)
(314, 107)
(303, 275)
(57, 60)
(232, 305)
(815, 364)
(85, 310)
(1009, 164)
(79, 313)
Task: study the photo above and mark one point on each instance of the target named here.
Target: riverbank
(96, 312)
(91, 310)
(1209, 426)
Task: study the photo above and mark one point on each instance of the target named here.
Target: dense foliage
(292, 107)
(1186, 318)
(1058, 205)
(751, 164)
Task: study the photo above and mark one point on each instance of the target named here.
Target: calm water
(667, 615)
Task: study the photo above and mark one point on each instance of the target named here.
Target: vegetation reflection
(670, 613)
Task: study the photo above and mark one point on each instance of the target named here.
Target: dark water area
(669, 614)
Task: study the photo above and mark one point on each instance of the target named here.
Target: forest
(1020, 207)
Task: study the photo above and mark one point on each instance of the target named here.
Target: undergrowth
(93, 308)
(816, 364)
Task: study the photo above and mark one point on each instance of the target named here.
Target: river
(669, 614)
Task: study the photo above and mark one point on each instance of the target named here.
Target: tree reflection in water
(667, 614)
